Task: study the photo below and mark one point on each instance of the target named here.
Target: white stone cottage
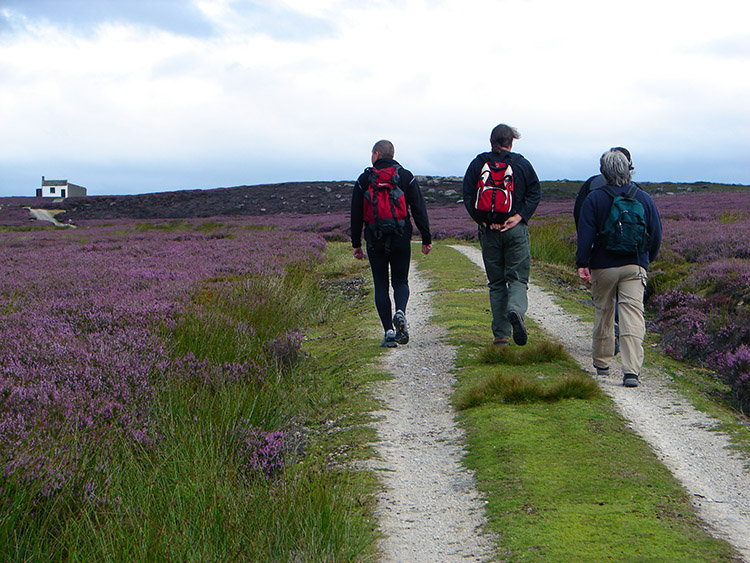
(60, 189)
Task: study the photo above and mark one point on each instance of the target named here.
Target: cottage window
(52, 190)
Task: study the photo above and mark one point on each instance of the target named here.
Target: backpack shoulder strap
(609, 191)
(631, 192)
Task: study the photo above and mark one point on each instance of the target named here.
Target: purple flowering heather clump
(735, 369)
(262, 453)
(682, 319)
(286, 350)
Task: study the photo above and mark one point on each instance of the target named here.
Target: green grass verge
(565, 478)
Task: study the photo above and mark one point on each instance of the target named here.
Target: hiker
(382, 198)
(615, 266)
(593, 183)
(501, 192)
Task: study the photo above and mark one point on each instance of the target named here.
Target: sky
(141, 96)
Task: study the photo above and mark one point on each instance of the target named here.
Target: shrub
(262, 453)
(735, 369)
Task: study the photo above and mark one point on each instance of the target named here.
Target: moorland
(176, 379)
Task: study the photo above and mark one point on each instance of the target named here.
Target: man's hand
(426, 248)
(584, 274)
(358, 253)
(511, 222)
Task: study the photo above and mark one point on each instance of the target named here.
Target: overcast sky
(136, 96)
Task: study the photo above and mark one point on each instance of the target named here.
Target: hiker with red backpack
(619, 235)
(382, 199)
(501, 192)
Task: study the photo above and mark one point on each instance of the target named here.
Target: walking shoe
(500, 342)
(617, 338)
(399, 321)
(519, 329)
(389, 340)
(602, 371)
(630, 380)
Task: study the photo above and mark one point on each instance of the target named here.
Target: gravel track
(684, 439)
(429, 509)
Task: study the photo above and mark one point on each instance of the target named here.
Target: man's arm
(533, 194)
(416, 202)
(357, 214)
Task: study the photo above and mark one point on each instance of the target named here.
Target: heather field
(152, 392)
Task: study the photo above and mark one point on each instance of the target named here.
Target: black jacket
(527, 191)
(415, 205)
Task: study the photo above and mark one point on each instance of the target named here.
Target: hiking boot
(500, 342)
(389, 340)
(602, 371)
(399, 321)
(617, 338)
(630, 380)
(519, 329)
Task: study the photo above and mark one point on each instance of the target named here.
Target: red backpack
(495, 189)
(385, 202)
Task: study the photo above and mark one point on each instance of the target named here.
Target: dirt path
(429, 509)
(45, 215)
(683, 438)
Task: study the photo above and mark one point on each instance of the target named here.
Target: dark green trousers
(507, 257)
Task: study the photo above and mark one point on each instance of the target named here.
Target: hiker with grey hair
(593, 183)
(501, 192)
(619, 235)
(382, 199)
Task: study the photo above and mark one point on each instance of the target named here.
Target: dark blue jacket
(591, 252)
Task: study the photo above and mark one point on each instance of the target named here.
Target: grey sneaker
(602, 371)
(399, 321)
(630, 380)
(389, 340)
(519, 329)
(617, 339)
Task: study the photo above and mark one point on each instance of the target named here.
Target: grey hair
(384, 148)
(615, 167)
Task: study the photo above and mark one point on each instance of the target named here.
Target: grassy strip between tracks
(564, 477)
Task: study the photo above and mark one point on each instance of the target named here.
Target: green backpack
(625, 230)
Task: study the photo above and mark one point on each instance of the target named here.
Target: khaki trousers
(627, 284)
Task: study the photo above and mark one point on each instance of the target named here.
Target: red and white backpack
(384, 201)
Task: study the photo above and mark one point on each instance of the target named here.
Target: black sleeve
(416, 203)
(533, 191)
(357, 212)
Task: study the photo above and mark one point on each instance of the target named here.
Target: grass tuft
(538, 352)
(516, 390)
